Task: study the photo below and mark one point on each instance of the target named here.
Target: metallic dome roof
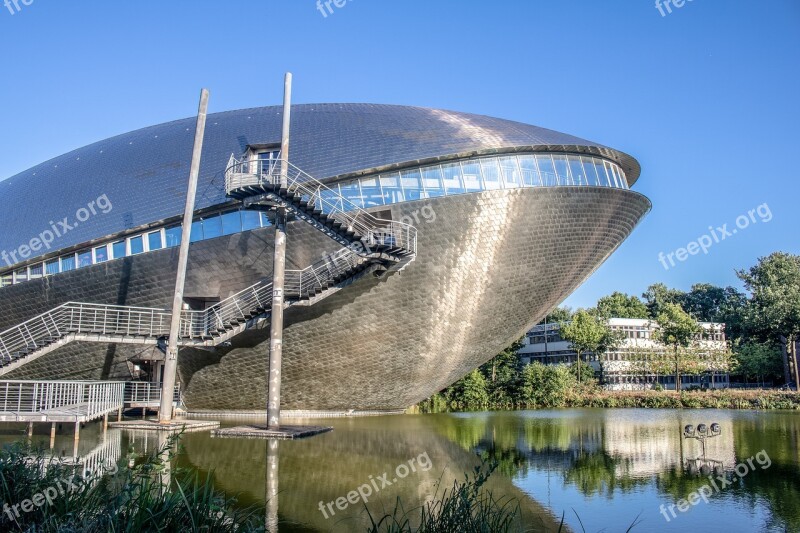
(144, 173)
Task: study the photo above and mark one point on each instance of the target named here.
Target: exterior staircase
(370, 245)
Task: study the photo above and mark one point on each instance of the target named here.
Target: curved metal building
(510, 219)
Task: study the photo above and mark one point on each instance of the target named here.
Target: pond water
(604, 469)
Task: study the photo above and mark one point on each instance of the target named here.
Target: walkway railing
(84, 400)
(245, 173)
(139, 393)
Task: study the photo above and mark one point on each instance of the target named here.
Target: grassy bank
(588, 396)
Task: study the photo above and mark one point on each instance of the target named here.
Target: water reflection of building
(638, 362)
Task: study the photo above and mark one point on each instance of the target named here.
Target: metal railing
(145, 392)
(88, 399)
(373, 231)
(81, 319)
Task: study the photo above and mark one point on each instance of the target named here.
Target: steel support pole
(272, 486)
(278, 275)
(171, 359)
(276, 322)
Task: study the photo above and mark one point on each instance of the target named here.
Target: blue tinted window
(472, 176)
(352, 193)
(265, 223)
(118, 249)
(231, 222)
(174, 235)
(530, 174)
(36, 271)
(154, 241)
(511, 174)
(212, 227)
(453, 183)
(562, 169)
(331, 201)
(576, 168)
(547, 170)
(432, 179)
(250, 220)
(589, 171)
(101, 254)
(412, 184)
(601, 173)
(371, 191)
(21, 275)
(51, 267)
(491, 173)
(137, 245)
(84, 258)
(68, 263)
(392, 190)
(197, 231)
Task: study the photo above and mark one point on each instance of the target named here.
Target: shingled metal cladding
(144, 172)
(488, 267)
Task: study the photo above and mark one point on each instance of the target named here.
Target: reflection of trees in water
(598, 473)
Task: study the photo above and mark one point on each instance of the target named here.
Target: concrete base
(261, 432)
(174, 426)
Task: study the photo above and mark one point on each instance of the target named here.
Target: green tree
(470, 392)
(709, 303)
(621, 305)
(502, 375)
(677, 329)
(756, 360)
(774, 309)
(546, 385)
(658, 295)
(558, 315)
(586, 332)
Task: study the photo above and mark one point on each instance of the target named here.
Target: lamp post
(701, 433)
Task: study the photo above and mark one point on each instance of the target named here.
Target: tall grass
(140, 498)
(466, 507)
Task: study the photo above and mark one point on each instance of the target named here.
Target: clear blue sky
(706, 98)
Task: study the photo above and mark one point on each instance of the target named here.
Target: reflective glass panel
(601, 172)
(472, 176)
(330, 199)
(231, 222)
(392, 190)
(576, 168)
(491, 173)
(36, 271)
(173, 235)
(84, 258)
(7, 279)
(118, 249)
(615, 173)
(212, 227)
(511, 174)
(197, 231)
(547, 170)
(265, 223)
(412, 184)
(52, 267)
(154, 241)
(621, 175)
(21, 275)
(136, 244)
(68, 263)
(432, 177)
(101, 254)
(589, 171)
(250, 220)
(562, 169)
(371, 191)
(352, 193)
(530, 174)
(452, 178)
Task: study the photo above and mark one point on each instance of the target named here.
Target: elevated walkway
(370, 245)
